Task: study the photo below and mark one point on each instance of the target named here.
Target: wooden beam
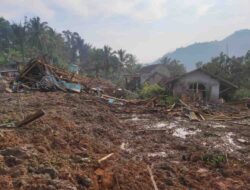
(152, 178)
(105, 157)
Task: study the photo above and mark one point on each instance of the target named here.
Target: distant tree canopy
(33, 37)
(175, 67)
(233, 69)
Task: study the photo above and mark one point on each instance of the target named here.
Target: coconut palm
(37, 31)
(19, 38)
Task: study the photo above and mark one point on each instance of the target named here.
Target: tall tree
(5, 39)
(175, 67)
(19, 38)
(37, 34)
(108, 53)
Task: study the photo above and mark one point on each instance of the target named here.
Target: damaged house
(200, 85)
(153, 74)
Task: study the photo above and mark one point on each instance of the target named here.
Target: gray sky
(146, 28)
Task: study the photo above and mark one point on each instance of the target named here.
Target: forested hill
(33, 37)
(236, 44)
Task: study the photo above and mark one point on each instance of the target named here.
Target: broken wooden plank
(105, 157)
(118, 99)
(150, 130)
(171, 107)
(184, 104)
(30, 118)
(152, 177)
(7, 125)
(235, 123)
(201, 116)
(192, 116)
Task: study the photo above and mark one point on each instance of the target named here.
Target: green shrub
(170, 100)
(149, 91)
(216, 158)
(242, 93)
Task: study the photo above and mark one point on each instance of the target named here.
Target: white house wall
(211, 84)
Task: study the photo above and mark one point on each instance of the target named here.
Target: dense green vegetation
(233, 69)
(22, 41)
(175, 67)
(150, 91)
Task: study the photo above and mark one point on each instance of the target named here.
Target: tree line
(33, 37)
(233, 69)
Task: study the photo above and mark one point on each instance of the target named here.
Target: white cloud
(148, 28)
(203, 9)
(18, 8)
(139, 10)
(142, 10)
(194, 8)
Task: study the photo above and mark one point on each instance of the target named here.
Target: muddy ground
(61, 149)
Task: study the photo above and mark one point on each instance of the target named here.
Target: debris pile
(39, 74)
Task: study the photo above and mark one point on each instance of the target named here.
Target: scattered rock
(16, 152)
(80, 159)
(19, 183)
(202, 172)
(62, 184)
(53, 173)
(17, 171)
(83, 181)
(11, 161)
(169, 182)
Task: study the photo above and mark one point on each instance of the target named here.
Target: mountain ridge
(236, 44)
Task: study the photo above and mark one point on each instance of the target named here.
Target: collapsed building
(39, 74)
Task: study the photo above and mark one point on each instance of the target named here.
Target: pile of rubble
(40, 74)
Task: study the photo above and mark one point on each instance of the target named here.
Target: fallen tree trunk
(30, 118)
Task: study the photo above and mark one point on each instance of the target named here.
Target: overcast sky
(146, 28)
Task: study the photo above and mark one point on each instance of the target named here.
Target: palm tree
(38, 33)
(108, 53)
(5, 35)
(131, 65)
(122, 55)
(19, 32)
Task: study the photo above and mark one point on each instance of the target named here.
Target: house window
(198, 88)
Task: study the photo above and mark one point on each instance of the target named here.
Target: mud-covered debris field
(83, 142)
